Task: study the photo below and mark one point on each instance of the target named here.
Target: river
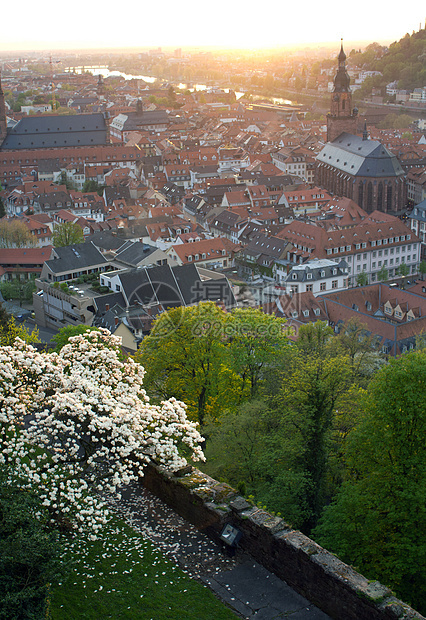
(105, 72)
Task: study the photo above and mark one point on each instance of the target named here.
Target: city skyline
(170, 24)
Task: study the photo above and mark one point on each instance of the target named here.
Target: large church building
(353, 166)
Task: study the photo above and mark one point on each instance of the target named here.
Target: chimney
(106, 307)
(116, 321)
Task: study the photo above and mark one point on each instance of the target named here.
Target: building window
(323, 286)
(309, 288)
(334, 284)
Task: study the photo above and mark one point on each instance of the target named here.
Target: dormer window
(309, 276)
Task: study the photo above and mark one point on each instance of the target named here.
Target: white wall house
(317, 276)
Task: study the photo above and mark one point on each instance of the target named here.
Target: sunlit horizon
(138, 27)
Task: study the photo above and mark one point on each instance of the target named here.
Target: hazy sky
(86, 23)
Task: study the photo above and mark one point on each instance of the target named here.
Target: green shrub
(29, 556)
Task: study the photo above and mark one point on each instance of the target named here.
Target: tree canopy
(67, 233)
(377, 520)
(14, 234)
(186, 355)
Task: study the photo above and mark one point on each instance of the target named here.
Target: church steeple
(342, 117)
(342, 79)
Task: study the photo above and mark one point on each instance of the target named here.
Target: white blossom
(80, 421)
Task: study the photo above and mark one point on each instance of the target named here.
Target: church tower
(3, 119)
(100, 88)
(341, 117)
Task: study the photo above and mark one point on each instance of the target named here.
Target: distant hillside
(404, 62)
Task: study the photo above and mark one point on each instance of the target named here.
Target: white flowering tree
(76, 424)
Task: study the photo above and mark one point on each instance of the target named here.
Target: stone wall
(314, 572)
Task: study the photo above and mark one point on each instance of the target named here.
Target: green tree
(422, 269)
(68, 233)
(64, 334)
(65, 111)
(375, 521)
(64, 180)
(403, 270)
(10, 330)
(14, 234)
(235, 445)
(315, 338)
(396, 121)
(361, 346)
(22, 290)
(4, 317)
(308, 399)
(30, 554)
(362, 279)
(258, 341)
(186, 356)
(92, 186)
(383, 274)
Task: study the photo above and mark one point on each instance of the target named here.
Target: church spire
(342, 79)
(342, 118)
(365, 132)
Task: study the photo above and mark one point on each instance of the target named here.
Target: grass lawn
(123, 576)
